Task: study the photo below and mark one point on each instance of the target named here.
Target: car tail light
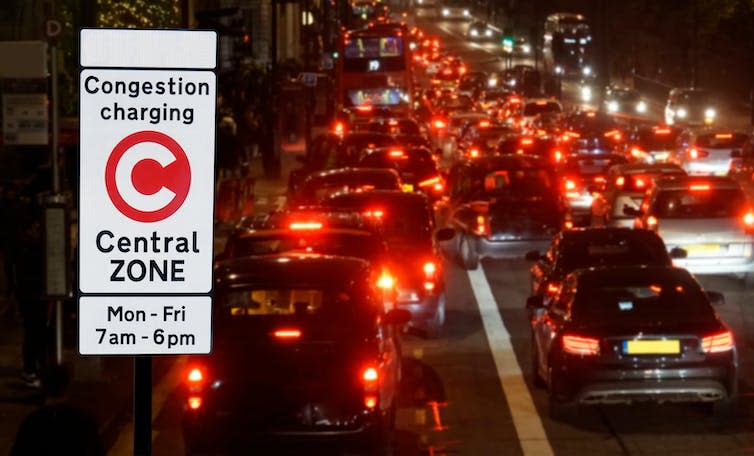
(305, 226)
(718, 343)
(748, 220)
(374, 213)
(474, 152)
(364, 108)
(639, 182)
(439, 124)
(699, 187)
(620, 182)
(695, 154)
(652, 223)
(637, 153)
(339, 128)
(482, 225)
(527, 141)
(552, 288)
(662, 131)
(195, 376)
(570, 188)
(724, 136)
(558, 155)
(370, 379)
(287, 334)
(397, 154)
(484, 124)
(580, 345)
(194, 402)
(430, 268)
(386, 281)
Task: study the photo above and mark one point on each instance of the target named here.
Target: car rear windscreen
(616, 251)
(699, 201)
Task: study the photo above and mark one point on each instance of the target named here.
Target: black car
(416, 165)
(591, 132)
(405, 222)
(318, 186)
(501, 207)
(303, 351)
(592, 247)
(332, 150)
(629, 334)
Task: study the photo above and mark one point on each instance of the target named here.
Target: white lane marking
(531, 433)
(124, 443)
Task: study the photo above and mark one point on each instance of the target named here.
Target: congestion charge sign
(147, 149)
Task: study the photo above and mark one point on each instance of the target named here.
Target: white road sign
(160, 325)
(146, 204)
(147, 177)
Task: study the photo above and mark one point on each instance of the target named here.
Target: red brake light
(339, 128)
(484, 123)
(527, 142)
(370, 375)
(540, 102)
(481, 225)
(364, 108)
(397, 154)
(652, 222)
(718, 343)
(305, 226)
(620, 181)
(591, 114)
(579, 345)
(636, 152)
(287, 333)
(699, 187)
(430, 268)
(639, 182)
(662, 131)
(558, 156)
(474, 153)
(724, 136)
(194, 402)
(374, 213)
(749, 219)
(552, 288)
(439, 124)
(386, 282)
(195, 375)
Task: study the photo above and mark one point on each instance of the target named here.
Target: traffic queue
(615, 214)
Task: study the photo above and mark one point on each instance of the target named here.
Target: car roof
(291, 269)
(351, 171)
(605, 233)
(598, 275)
(682, 182)
(637, 168)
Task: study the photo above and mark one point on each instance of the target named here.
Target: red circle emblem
(148, 176)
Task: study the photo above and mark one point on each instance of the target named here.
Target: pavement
(102, 386)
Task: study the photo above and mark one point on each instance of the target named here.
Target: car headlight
(612, 106)
(587, 70)
(710, 113)
(681, 112)
(586, 93)
(474, 32)
(445, 11)
(641, 107)
(526, 48)
(466, 12)
(488, 32)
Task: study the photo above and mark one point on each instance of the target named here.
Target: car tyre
(467, 253)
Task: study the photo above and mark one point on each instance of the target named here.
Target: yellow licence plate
(652, 347)
(702, 248)
(407, 187)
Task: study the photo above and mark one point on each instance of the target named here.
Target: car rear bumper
(704, 383)
(514, 249)
(716, 265)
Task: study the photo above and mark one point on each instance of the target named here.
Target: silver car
(708, 217)
(710, 152)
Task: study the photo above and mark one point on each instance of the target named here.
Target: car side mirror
(535, 302)
(445, 234)
(715, 298)
(397, 317)
(678, 253)
(532, 255)
(631, 211)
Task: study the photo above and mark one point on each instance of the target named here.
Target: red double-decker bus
(374, 71)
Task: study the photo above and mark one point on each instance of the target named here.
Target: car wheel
(537, 379)
(436, 325)
(467, 253)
